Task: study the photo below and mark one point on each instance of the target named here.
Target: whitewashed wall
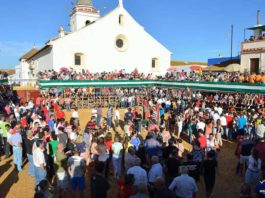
(97, 43)
(245, 60)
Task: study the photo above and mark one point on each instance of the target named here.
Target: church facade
(108, 43)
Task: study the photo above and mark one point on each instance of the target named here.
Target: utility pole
(232, 38)
(258, 17)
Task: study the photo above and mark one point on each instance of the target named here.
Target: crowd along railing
(206, 86)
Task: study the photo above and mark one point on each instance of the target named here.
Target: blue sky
(194, 30)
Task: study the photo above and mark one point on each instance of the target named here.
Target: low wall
(209, 86)
(25, 95)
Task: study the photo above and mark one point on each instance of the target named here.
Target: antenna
(232, 38)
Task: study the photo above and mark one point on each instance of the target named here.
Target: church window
(154, 63)
(121, 19)
(87, 22)
(78, 59)
(119, 43)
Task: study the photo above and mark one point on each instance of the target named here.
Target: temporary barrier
(3, 81)
(209, 86)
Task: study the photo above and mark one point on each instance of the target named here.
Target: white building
(111, 42)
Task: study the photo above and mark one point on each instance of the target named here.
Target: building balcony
(253, 46)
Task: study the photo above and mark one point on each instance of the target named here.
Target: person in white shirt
(117, 116)
(39, 163)
(116, 156)
(180, 124)
(155, 171)
(159, 101)
(216, 117)
(200, 125)
(219, 110)
(16, 112)
(129, 101)
(75, 116)
(30, 104)
(211, 143)
(140, 175)
(223, 122)
(75, 113)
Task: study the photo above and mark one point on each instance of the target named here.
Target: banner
(207, 86)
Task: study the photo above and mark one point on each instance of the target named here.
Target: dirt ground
(20, 185)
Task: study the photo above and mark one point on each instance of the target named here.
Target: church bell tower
(83, 14)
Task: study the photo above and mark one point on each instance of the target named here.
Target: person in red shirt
(125, 187)
(108, 144)
(44, 110)
(145, 103)
(198, 103)
(232, 109)
(211, 98)
(23, 121)
(134, 112)
(60, 114)
(108, 141)
(38, 101)
(229, 126)
(55, 106)
(202, 139)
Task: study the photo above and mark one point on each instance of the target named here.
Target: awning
(262, 28)
(172, 69)
(213, 69)
(234, 68)
(195, 67)
(218, 61)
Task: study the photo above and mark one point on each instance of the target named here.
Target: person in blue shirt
(135, 141)
(162, 113)
(128, 115)
(51, 123)
(241, 122)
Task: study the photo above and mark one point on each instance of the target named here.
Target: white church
(98, 43)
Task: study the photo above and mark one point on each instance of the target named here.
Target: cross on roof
(121, 3)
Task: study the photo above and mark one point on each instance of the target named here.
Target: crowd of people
(3, 75)
(143, 152)
(256, 38)
(135, 75)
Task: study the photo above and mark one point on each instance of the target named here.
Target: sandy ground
(16, 185)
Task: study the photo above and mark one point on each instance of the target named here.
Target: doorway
(254, 65)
